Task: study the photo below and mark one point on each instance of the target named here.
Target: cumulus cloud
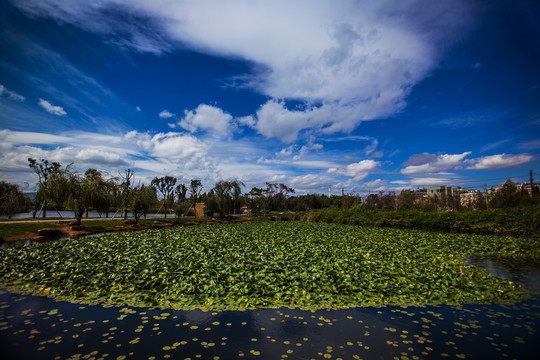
(101, 158)
(166, 114)
(175, 146)
(274, 120)
(151, 154)
(52, 109)
(430, 163)
(500, 161)
(357, 60)
(246, 120)
(358, 171)
(12, 95)
(206, 117)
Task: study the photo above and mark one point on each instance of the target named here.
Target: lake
(34, 327)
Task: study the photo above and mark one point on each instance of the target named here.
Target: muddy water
(40, 328)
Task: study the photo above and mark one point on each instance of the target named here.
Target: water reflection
(38, 327)
(521, 269)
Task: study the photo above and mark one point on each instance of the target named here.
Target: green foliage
(515, 222)
(166, 186)
(12, 200)
(258, 265)
(223, 198)
(142, 199)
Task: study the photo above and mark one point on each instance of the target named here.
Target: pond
(40, 328)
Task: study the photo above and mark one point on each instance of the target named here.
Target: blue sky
(357, 95)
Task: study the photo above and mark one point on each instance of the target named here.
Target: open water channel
(34, 327)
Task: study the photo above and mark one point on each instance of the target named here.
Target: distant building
(441, 190)
(527, 186)
(469, 197)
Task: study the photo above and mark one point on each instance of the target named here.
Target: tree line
(61, 187)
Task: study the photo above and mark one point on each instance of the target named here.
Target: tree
(256, 198)
(195, 187)
(79, 193)
(372, 202)
(165, 185)
(141, 200)
(101, 192)
(43, 169)
(505, 197)
(181, 204)
(406, 200)
(236, 194)
(125, 190)
(224, 195)
(12, 200)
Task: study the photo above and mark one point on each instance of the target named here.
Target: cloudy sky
(357, 95)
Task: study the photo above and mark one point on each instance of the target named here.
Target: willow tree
(142, 199)
(43, 169)
(225, 195)
(12, 200)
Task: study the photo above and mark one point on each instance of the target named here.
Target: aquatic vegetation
(265, 265)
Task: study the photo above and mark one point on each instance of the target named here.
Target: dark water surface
(34, 327)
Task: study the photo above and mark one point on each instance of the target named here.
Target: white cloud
(166, 114)
(101, 158)
(530, 145)
(174, 153)
(246, 120)
(274, 120)
(357, 59)
(26, 137)
(10, 94)
(176, 147)
(206, 117)
(431, 181)
(359, 170)
(312, 164)
(430, 163)
(500, 161)
(307, 148)
(285, 152)
(302, 183)
(53, 109)
(138, 108)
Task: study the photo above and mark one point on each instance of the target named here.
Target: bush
(524, 222)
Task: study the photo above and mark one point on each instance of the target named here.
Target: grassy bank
(523, 222)
(258, 265)
(19, 227)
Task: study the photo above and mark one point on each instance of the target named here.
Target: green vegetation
(258, 265)
(12, 200)
(19, 227)
(523, 222)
